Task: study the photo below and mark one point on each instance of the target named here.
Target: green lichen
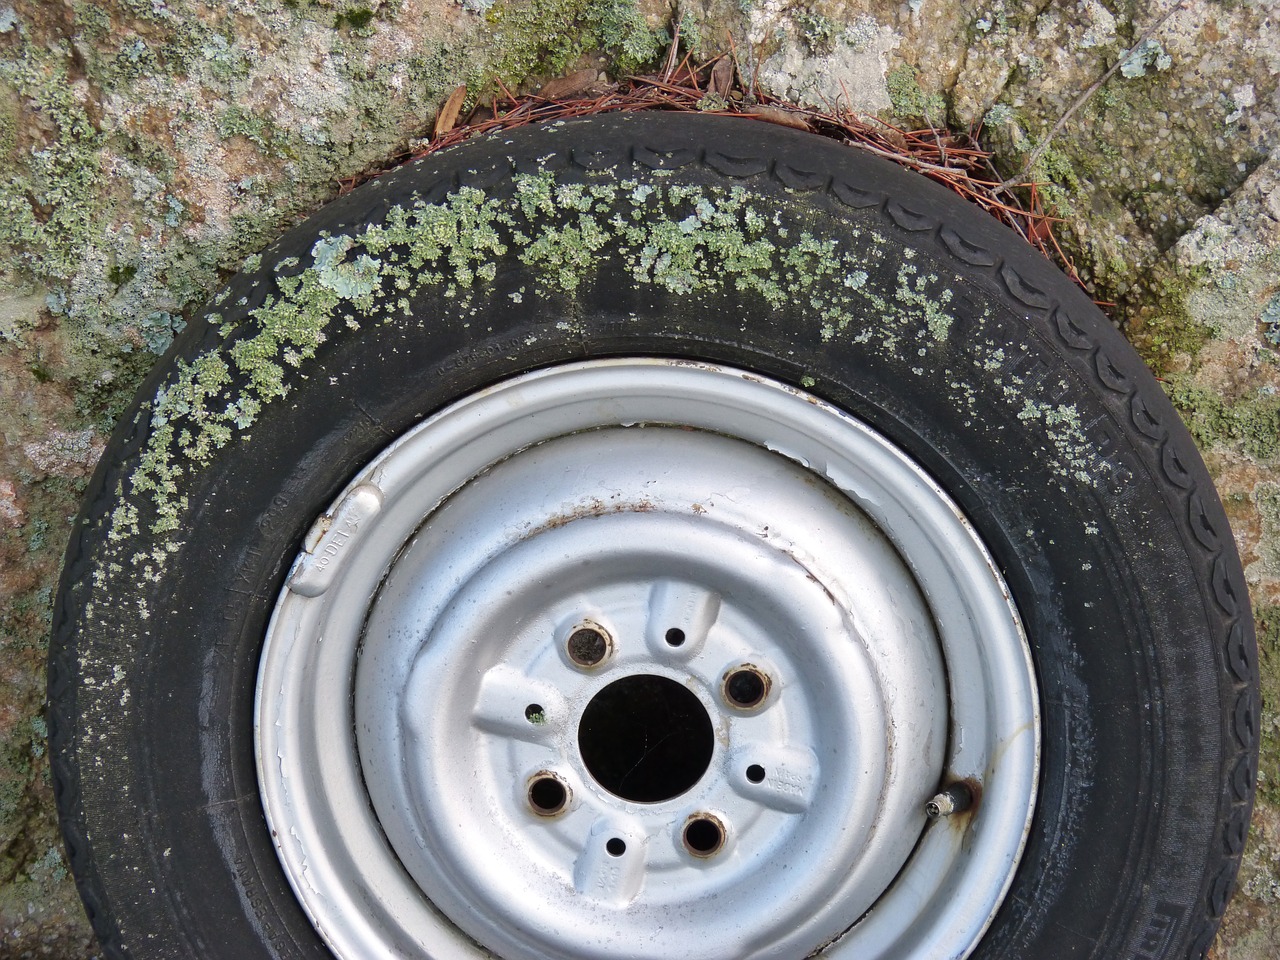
(1000, 114)
(1062, 425)
(909, 100)
(350, 280)
(1251, 423)
(998, 19)
(818, 31)
(683, 239)
(9, 123)
(1162, 328)
(692, 38)
(50, 207)
(213, 136)
(1266, 500)
(357, 18)
(1267, 619)
(158, 329)
(65, 220)
(916, 292)
(1148, 55)
(1061, 183)
(236, 121)
(559, 229)
(544, 37)
(51, 864)
(1270, 321)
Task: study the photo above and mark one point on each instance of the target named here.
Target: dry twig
(1039, 149)
(953, 159)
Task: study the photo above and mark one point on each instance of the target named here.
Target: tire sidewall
(1129, 627)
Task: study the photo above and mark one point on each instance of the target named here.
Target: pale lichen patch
(683, 239)
(1076, 457)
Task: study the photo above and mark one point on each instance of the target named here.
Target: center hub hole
(646, 738)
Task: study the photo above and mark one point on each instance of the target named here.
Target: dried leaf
(448, 117)
(562, 88)
(684, 76)
(722, 76)
(898, 141)
(1039, 229)
(779, 116)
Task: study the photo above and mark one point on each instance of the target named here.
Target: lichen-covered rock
(152, 146)
(1230, 389)
(1235, 254)
(1166, 177)
(823, 63)
(11, 515)
(66, 454)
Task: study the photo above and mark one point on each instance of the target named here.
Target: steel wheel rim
(382, 830)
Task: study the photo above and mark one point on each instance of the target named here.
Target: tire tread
(1089, 338)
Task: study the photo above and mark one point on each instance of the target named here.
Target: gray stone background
(149, 147)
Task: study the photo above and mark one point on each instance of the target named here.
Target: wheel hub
(663, 672)
(571, 612)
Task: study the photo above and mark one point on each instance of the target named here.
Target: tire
(481, 363)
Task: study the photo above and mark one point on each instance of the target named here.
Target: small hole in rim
(616, 846)
(755, 773)
(535, 714)
(675, 637)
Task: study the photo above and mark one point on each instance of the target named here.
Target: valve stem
(957, 798)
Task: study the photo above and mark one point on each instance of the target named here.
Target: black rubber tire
(983, 362)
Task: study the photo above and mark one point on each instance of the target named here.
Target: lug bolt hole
(616, 846)
(703, 835)
(745, 687)
(588, 645)
(675, 637)
(534, 713)
(755, 773)
(548, 796)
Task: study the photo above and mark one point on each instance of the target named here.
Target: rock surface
(152, 146)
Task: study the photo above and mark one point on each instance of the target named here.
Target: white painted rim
(430, 613)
